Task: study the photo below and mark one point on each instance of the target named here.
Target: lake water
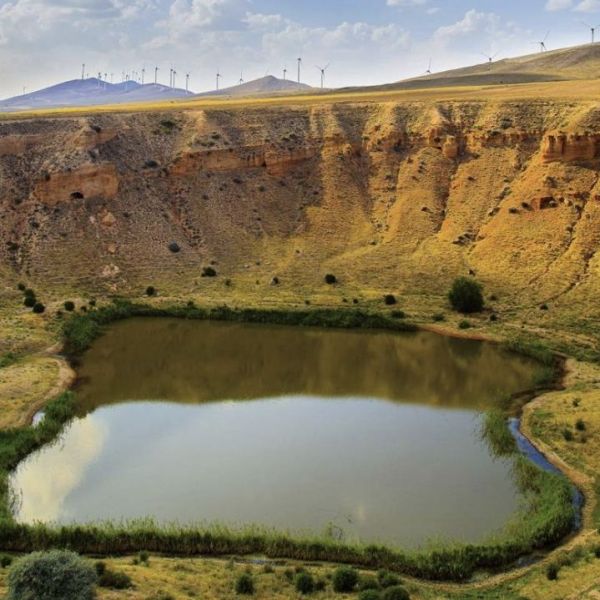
(368, 435)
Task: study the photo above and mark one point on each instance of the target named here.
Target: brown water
(370, 435)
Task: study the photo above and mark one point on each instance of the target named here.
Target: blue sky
(365, 41)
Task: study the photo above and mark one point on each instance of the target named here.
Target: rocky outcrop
(568, 148)
(88, 181)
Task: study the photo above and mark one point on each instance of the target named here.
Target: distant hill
(91, 92)
(263, 86)
(579, 62)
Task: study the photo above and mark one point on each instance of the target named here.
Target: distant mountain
(264, 86)
(91, 92)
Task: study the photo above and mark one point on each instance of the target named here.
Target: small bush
(115, 580)
(389, 299)
(466, 296)
(387, 579)
(398, 314)
(174, 247)
(596, 552)
(29, 302)
(21, 287)
(56, 575)
(29, 293)
(208, 272)
(567, 435)
(5, 561)
(100, 567)
(39, 308)
(289, 574)
(150, 291)
(268, 568)
(144, 557)
(369, 595)
(580, 425)
(330, 279)
(439, 317)
(344, 579)
(395, 593)
(464, 325)
(305, 584)
(552, 572)
(244, 584)
(69, 306)
(320, 585)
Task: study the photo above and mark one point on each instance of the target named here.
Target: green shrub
(55, 575)
(464, 324)
(30, 301)
(344, 579)
(100, 567)
(208, 272)
(568, 435)
(39, 308)
(268, 568)
(330, 279)
(580, 425)
(10, 358)
(396, 592)
(387, 579)
(115, 580)
(552, 572)
(369, 595)
(29, 293)
(69, 306)
(389, 299)
(398, 314)
(320, 585)
(596, 552)
(5, 561)
(144, 557)
(466, 296)
(21, 287)
(439, 317)
(174, 247)
(244, 584)
(150, 291)
(305, 584)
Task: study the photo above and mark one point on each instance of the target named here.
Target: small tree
(29, 301)
(150, 291)
(389, 299)
(56, 575)
(330, 279)
(466, 296)
(344, 580)
(305, 583)
(244, 584)
(39, 308)
(69, 306)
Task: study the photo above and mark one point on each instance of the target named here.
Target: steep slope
(391, 197)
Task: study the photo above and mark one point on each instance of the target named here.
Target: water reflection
(372, 435)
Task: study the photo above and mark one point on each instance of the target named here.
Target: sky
(364, 42)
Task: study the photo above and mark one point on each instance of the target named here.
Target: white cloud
(554, 5)
(588, 6)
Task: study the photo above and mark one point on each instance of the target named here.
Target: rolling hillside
(268, 85)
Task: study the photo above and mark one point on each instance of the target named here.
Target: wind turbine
(322, 69)
(542, 44)
(592, 28)
(285, 73)
(187, 83)
(156, 69)
(241, 78)
(490, 58)
(143, 74)
(83, 71)
(218, 78)
(428, 72)
(174, 77)
(171, 77)
(299, 67)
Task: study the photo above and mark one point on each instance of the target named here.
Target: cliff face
(389, 197)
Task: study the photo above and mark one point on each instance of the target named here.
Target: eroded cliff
(390, 197)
